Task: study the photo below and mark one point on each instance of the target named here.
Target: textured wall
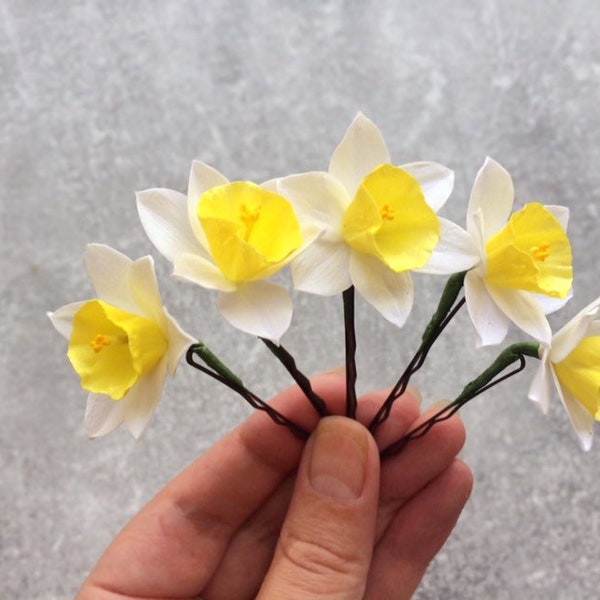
(100, 99)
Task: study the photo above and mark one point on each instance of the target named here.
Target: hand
(263, 515)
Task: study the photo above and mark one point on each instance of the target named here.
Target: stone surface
(100, 99)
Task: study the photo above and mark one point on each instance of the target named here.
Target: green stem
(350, 343)
(487, 379)
(211, 360)
(444, 313)
(451, 290)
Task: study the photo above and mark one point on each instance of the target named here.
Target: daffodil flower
(121, 344)
(573, 362)
(524, 271)
(378, 223)
(229, 236)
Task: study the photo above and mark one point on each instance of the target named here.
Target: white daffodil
(121, 344)
(229, 236)
(525, 268)
(573, 362)
(378, 222)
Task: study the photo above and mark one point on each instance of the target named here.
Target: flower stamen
(248, 217)
(387, 212)
(541, 252)
(100, 342)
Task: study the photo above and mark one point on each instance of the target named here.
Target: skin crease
(265, 515)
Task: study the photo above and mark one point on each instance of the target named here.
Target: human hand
(263, 515)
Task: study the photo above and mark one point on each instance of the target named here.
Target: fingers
(325, 545)
(176, 542)
(404, 412)
(251, 549)
(250, 552)
(417, 532)
(213, 529)
(423, 490)
(421, 461)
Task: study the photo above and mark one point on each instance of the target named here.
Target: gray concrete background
(100, 99)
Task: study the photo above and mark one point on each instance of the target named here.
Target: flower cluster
(365, 224)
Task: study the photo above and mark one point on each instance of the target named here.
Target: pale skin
(264, 515)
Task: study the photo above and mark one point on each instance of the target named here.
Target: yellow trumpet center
(531, 253)
(111, 349)
(251, 231)
(579, 373)
(390, 219)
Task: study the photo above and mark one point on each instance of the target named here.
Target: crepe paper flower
(525, 268)
(229, 236)
(378, 222)
(121, 344)
(573, 362)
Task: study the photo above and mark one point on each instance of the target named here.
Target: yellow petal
(579, 373)
(390, 219)
(531, 253)
(111, 349)
(250, 230)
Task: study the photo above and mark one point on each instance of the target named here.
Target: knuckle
(321, 558)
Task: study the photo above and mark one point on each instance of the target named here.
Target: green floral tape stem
(446, 310)
(487, 379)
(211, 360)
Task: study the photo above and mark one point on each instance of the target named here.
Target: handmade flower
(573, 362)
(378, 223)
(525, 268)
(229, 236)
(121, 344)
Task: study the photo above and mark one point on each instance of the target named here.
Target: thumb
(326, 541)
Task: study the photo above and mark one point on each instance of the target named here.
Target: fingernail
(338, 370)
(338, 459)
(438, 405)
(415, 393)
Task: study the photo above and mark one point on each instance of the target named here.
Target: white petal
(108, 270)
(323, 268)
(522, 309)
(143, 288)
(102, 415)
(271, 185)
(360, 151)
(581, 420)
(179, 342)
(540, 390)
(141, 401)
(389, 292)
(493, 194)
(198, 270)
(319, 198)
(202, 178)
(62, 319)
(491, 324)
(476, 231)
(566, 339)
(593, 329)
(164, 216)
(561, 213)
(436, 181)
(456, 251)
(550, 305)
(260, 308)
